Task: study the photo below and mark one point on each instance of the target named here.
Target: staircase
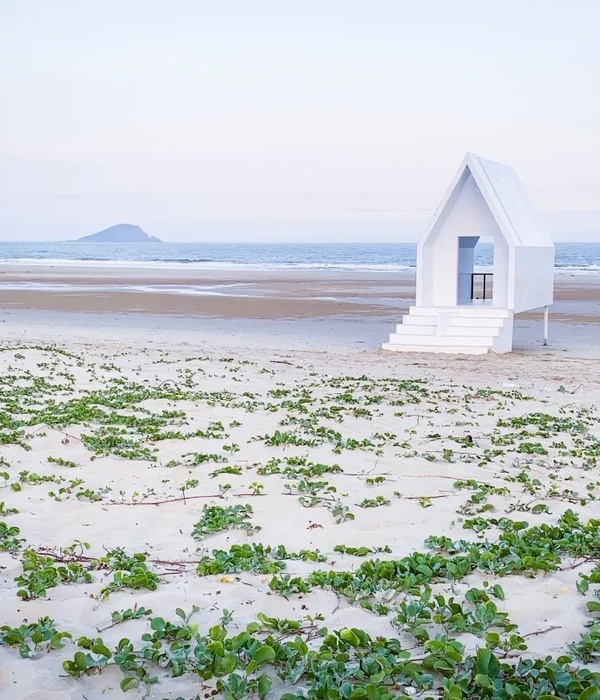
(469, 330)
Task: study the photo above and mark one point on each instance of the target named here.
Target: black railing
(485, 292)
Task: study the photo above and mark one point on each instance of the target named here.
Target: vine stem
(442, 495)
(577, 564)
(544, 631)
(83, 558)
(182, 498)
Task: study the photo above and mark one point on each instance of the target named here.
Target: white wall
(502, 272)
(466, 214)
(534, 278)
(523, 262)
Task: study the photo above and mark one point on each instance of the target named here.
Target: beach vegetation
(256, 558)
(117, 617)
(129, 571)
(375, 480)
(361, 551)
(218, 518)
(256, 488)
(39, 573)
(450, 636)
(234, 470)
(343, 663)
(6, 511)
(198, 458)
(374, 502)
(9, 537)
(34, 638)
(59, 461)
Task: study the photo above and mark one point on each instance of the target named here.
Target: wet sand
(247, 293)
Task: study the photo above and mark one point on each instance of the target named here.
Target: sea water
(571, 258)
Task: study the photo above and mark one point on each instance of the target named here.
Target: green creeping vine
(4, 512)
(374, 502)
(478, 615)
(217, 518)
(117, 617)
(297, 467)
(34, 638)
(345, 664)
(257, 558)
(9, 537)
(62, 462)
(129, 572)
(519, 550)
(41, 572)
(425, 596)
(361, 551)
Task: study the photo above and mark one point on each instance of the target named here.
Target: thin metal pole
(546, 324)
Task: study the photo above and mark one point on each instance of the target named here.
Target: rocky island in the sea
(121, 233)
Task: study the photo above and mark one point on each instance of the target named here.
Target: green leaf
(129, 683)
(483, 681)
(217, 633)
(101, 649)
(262, 655)
(264, 685)
(57, 640)
(346, 690)
(591, 693)
(224, 665)
(70, 668)
(454, 693)
(350, 637)
(80, 661)
(582, 586)
(157, 624)
(539, 508)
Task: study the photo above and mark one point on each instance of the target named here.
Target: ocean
(571, 258)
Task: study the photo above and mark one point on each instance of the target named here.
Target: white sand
(554, 384)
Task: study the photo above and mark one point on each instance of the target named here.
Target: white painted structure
(456, 311)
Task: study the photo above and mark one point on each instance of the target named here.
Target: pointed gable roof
(504, 194)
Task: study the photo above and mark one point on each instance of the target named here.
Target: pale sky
(286, 120)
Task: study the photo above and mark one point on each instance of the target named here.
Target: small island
(121, 233)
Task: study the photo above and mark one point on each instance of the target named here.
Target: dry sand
(259, 353)
(408, 439)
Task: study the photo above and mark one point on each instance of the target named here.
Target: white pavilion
(458, 309)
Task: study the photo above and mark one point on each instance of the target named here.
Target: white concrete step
(428, 341)
(414, 331)
(480, 321)
(448, 349)
(471, 330)
(412, 320)
(480, 331)
(475, 310)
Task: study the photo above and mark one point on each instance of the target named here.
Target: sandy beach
(244, 293)
(302, 308)
(228, 234)
(123, 434)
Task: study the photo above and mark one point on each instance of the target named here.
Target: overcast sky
(287, 119)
